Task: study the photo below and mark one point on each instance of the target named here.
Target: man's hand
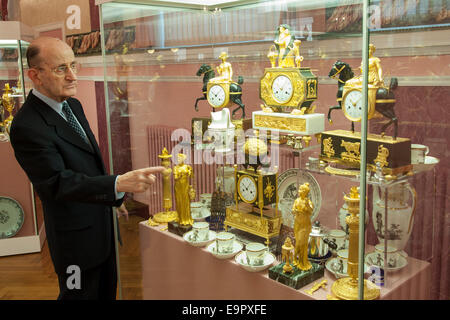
(137, 181)
(122, 212)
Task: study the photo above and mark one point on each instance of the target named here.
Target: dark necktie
(72, 121)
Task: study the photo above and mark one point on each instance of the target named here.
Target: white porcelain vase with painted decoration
(400, 207)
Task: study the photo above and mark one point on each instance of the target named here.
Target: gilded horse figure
(235, 88)
(384, 96)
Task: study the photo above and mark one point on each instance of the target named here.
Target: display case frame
(30, 235)
(353, 45)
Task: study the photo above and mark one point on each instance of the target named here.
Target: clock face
(353, 105)
(247, 189)
(216, 96)
(282, 89)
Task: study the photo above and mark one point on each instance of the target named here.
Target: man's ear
(33, 74)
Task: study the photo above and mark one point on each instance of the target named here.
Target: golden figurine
(287, 255)
(302, 210)
(182, 174)
(8, 104)
(224, 70)
(167, 215)
(347, 288)
(287, 49)
(375, 72)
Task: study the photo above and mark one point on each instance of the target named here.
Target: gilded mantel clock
(255, 196)
(255, 187)
(287, 90)
(256, 204)
(293, 88)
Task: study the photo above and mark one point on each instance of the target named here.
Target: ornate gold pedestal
(347, 288)
(344, 147)
(253, 222)
(165, 217)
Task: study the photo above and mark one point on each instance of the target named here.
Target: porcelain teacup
(418, 153)
(205, 199)
(255, 253)
(196, 209)
(200, 231)
(392, 255)
(224, 242)
(338, 237)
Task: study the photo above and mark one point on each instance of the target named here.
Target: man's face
(57, 87)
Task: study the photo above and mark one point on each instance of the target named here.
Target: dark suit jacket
(71, 181)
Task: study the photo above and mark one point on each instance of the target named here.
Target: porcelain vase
(400, 208)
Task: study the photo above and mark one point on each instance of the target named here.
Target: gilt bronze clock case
(256, 188)
(282, 88)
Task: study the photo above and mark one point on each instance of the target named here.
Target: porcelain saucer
(428, 164)
(204, 213)
(202, 243)
(241, 259)
(237, 246)
(371, 259)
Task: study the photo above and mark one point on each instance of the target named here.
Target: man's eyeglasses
(64, 68)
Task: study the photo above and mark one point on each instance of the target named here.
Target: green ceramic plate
(11, 217)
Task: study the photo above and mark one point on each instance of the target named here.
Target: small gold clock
(255, 187)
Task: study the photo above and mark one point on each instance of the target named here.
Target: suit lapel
(63, 130)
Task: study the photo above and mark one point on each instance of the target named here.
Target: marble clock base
(305, 124)
(178, 229)
(298, 278)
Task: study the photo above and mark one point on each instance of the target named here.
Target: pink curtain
(424, 118)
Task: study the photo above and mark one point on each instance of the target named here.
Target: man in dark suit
(56, 148)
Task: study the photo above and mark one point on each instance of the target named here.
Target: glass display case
(217, 82)
(21, 224)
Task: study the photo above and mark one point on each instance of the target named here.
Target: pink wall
(86, 95)
(15, 184)
(56, 33)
